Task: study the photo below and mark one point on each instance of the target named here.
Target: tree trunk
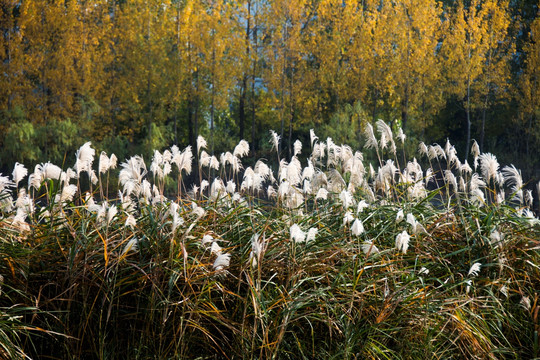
(242, 108)
(482, 129)
(405, 107)
(468, 111)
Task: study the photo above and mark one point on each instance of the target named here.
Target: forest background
(132, 76)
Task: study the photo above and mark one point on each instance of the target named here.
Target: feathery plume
(402, 241)
(201, 143)
(371, 140)
(368, 248)
(50, 171)
(297, 147)
(222, 262)
(322, 194)
(104, 163)
(401, 135)
(348, 218)
(297, 235)
(474, 270)
(489, 166)
(386, 135)
(274, 140)
(357, 227)
(311, 234)
(242, 149)
(85, 158)
(19, 173)
(312, 137)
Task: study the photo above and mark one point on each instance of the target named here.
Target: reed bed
(327, 256)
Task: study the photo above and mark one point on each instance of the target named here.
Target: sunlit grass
(337, 258)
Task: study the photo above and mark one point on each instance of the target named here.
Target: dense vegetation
(137, 75)
(331, 256)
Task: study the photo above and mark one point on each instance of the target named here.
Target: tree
(474, 55)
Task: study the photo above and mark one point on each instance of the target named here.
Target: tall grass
(336, 259)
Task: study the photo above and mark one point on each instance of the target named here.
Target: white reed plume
(5, 183)
(307, 189)
(19, 173)
(215, 249)
(432, 152)
(132, 169)
(68, 192)
(297, 235)
(318, 151)
(263, 170)
(205, 160)
(346, 199)
(111, 213)
(369, 248)
(439, 151)
(528, 198)
(362, 205)
(311, 234)
(357, 227)
(402, 242)
(465, 168)
(131, 221)
(34, 180)
(422, 149)
(294, 171)
(348, 218)
(274, 140)
(475, 269)
(251, 180)
(283, 189)
(475, 151)
(322, 194)
(386, 136)
(231, 187)
(85, 158)
(401, 135)
(371, 140)
(24, 202)
(217, 189)
(308, 171)
(222, 261)
(489, 166)
(104, 163)
(526, 303)
(271, 192)
(297, 146)
(332, 151)
(204, 185)
(201, 143)
(450, 179)
(416, 226)
(512, 177)
(312, 137)
(345, 153)
(131, 245)
(400, 216)
(451, 154)
(183, 160)
(19, 222)
(258, 247)
(50, 171)
(159, 166)
(242, 149)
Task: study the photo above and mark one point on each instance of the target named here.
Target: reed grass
(437, 269)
